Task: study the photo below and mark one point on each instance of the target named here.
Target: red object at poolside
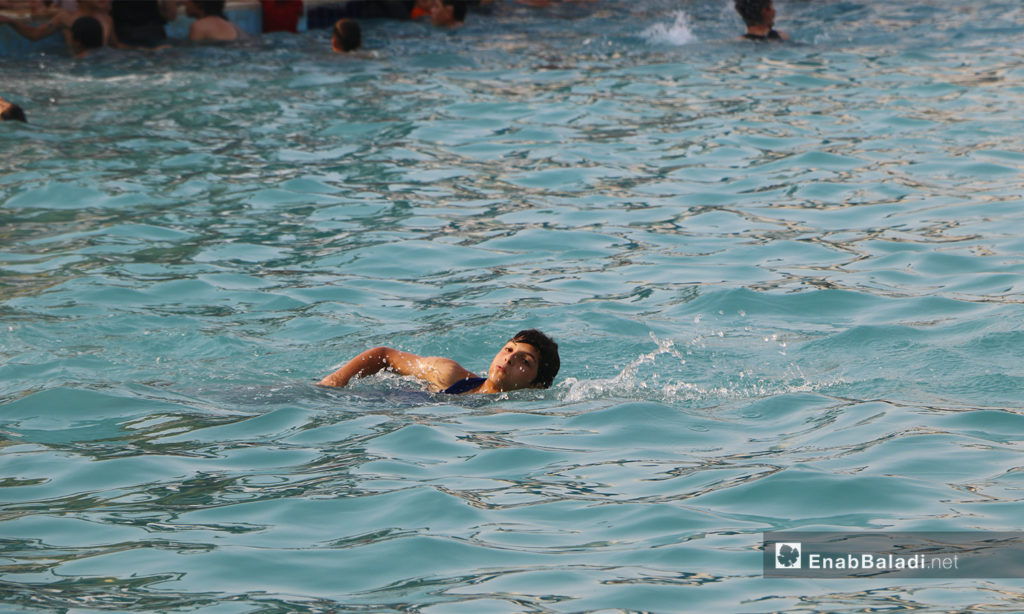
(281, 15)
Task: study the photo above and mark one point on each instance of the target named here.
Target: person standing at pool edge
(759, 16)
(527, 360)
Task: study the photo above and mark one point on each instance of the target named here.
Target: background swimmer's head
(11, 112)
(87, 34)
(346, 36)
(448, 13)
(754, 13)
(549, 362)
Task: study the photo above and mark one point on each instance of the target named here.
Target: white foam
(628, 382)
(679, 33)
(661, 376)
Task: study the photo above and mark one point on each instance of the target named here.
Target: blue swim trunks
(464, 385)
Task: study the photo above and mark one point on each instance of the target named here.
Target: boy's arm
(369, 362)
(440, 372)
(32, 33)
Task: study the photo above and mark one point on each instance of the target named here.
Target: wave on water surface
(786, 283)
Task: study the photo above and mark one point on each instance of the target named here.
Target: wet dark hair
(548, 350)
(752, 11)
(459, 8)
(211, 8)
(348, 34)
(87, 32)
(13, 112)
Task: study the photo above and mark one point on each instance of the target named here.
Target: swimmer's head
(346, 36)
(11, 112)
(547, 367)
(756, 12)
(447, 13)
(87, 33)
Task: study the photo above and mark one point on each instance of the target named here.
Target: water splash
(679, 33)
(630, 381)
(661, 376)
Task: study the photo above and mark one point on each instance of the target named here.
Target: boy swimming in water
(527, 360)
(759, 16)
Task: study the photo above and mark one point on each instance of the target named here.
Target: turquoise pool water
(787, 283)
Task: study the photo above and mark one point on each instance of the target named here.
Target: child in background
(759, 17)
(346, 36)
(11, 112)
(448, 13)
(98, 10)
(210, 24)
(86, 35)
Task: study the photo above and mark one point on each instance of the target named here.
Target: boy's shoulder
(443, 372)
(213, 27)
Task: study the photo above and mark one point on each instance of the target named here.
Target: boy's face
(442, 15)
(769, 14)
(515, 366)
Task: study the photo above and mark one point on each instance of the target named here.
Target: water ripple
(785, 281)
